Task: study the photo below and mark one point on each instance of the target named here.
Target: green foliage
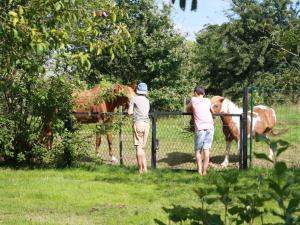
(259, 46)
(107, 93)
(244, 203)
(27, 116)
(182, 4)
(46, 46)
(155, 56)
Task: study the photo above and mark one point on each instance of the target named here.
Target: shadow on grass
(180, 214)
(177, 158)
(218, 159)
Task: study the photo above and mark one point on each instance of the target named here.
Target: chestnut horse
(264, 120)
(88, 107)
(88, 101)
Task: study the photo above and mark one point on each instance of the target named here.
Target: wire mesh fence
(175, 142)
(172, 144)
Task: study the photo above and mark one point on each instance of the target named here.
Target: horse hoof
(114, 159)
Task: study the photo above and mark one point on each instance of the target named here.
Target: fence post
(183, 110)
(240, 144)
(251, 123)
(121, 136)
(153, 144)
(245, 127)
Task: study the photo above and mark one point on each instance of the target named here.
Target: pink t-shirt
(201, 111)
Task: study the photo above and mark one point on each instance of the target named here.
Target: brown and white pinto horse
(87, 109)
(88, 101)
(264, 120)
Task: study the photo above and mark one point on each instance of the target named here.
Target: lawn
(103, 194)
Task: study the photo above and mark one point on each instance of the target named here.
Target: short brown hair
(199, 90)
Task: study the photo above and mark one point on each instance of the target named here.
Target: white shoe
(114, 159)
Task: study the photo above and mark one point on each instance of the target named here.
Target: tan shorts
(140, 133)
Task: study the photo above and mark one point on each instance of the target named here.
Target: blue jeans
(204, 139)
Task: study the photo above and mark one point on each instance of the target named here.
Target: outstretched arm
(130, 109)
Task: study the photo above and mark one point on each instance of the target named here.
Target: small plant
(281, 184)
(107, 92)
(245, 203)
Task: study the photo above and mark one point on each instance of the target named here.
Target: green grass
(101, 195)
(107, 195)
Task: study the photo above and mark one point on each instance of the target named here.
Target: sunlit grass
(101, 194)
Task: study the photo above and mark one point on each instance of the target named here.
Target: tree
(31, 33)
(155, 55)
(256, 47)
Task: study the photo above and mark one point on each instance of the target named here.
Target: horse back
(264, 119)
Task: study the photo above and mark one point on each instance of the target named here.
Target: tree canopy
(51, 48)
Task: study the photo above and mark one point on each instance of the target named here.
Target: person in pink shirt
(204, 127)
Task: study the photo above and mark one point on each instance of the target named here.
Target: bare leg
(226, 160)
(199, 162)
(144, 161)
(140, 157)
(206, 161)
(98, 143)
(110, 144)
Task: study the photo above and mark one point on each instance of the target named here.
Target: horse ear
(133, 85)
(116, 88)
(222, 99)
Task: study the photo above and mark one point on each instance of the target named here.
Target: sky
(208, 12)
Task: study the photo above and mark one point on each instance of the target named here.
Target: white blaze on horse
(264, 120)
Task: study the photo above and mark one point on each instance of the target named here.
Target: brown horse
(264, 120)
(88, 107)
(88, 101)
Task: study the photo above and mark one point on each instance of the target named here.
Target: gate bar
(153, 144)
(245, 127)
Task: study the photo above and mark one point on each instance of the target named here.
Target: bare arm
(130, 109)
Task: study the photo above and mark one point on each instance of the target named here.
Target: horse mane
(230, 107)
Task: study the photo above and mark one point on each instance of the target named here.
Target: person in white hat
(139, 107)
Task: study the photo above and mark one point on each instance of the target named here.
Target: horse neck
(232, 122)
(111, 106)
(229, 107)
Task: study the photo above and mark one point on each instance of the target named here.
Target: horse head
(123, 94)
(216, 104)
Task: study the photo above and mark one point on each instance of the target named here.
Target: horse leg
(226, 159)
(98, 143)
(109, 141)
(271, 153)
